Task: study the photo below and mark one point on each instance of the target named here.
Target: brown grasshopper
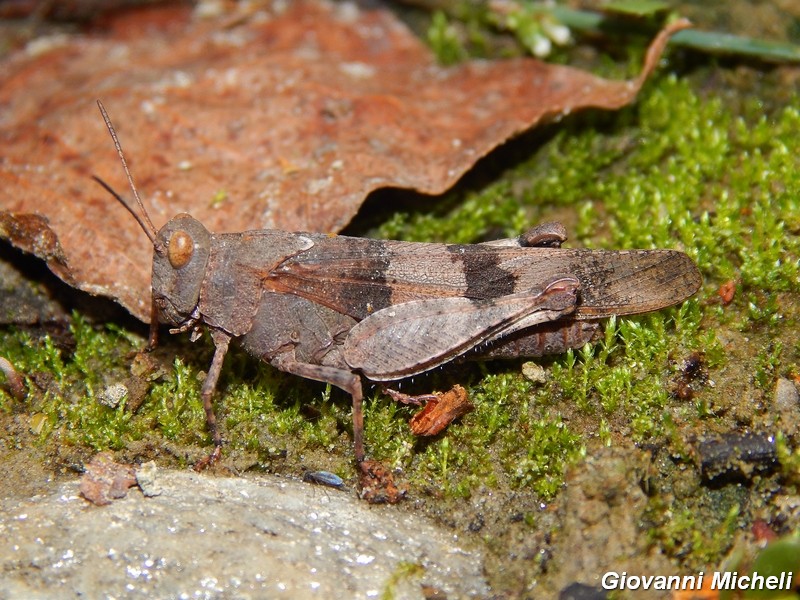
(334, 308)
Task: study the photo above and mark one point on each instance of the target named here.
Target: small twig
(14, 381)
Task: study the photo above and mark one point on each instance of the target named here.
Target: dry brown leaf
(106, 480)
(287, 119)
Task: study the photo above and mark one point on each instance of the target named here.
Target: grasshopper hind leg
(555, 337)
(376, 481)
(303, 338)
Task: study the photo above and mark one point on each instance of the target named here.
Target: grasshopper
(336, 308)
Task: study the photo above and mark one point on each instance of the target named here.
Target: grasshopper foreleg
(221, 342)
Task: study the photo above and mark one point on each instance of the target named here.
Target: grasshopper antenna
(145, 223)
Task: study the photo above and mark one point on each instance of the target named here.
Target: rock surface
(208, 537)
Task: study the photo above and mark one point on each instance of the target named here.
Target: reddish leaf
(285, 119)
(441, 411)
(726, 292)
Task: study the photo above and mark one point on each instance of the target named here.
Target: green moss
(405, 571)
(767, 364)
(623, 376)
(174, 406)
(462, 459)
(65, 380)
(386, 432)
(444, 41)
(549, 446)
(504, 442)
(683, 534)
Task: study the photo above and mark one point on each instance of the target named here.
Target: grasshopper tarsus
(208, 461)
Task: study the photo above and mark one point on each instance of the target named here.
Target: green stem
(706, 41)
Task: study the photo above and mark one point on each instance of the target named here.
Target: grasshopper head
(180, 256)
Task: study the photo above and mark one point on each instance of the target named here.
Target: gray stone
(786, 395)
(210, 537)
(786, 405)
(147, 479)
(534, 372)
(112, 395)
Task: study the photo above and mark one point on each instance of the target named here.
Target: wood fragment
(441, 411)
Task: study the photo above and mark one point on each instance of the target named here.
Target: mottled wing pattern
(359, 276)
(613, 282)
(413, 337)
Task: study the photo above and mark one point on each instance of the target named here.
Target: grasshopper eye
(181, 248)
